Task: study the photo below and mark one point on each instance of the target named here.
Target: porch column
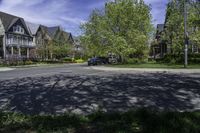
(28, 52)
(19, 52)
(12, 51)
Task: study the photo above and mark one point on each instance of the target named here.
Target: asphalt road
(81, 89)
(81, 69)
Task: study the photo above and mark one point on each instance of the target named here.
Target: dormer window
(22, 30)
(18, 29)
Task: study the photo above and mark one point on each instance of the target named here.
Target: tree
(194, 21)
(174, 25)
(59, 50)
(123, 28)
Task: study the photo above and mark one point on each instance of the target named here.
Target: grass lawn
(138, 121)
(156, 65)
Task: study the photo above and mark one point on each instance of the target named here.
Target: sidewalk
(3, 69)
(149, 70)
(33, 65)
(49, 65)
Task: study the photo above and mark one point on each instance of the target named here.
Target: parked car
(103, 60)
(97, 61)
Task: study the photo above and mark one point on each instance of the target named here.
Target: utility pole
(185, 34)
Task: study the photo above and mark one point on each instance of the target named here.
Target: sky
(68, 14)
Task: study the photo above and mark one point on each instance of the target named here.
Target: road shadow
(85, 94)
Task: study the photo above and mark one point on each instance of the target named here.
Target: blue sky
(67, 13)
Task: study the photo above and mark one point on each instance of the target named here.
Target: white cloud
(41, 11)
(65, 12)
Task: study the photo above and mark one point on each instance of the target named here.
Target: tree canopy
(174, 24)
(122, 28)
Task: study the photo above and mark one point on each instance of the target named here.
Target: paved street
(46, 71)
(82, 89)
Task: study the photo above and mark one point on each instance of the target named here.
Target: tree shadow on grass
(86, 94)
(133, 121)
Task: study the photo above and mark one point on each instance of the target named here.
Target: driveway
(81, 89)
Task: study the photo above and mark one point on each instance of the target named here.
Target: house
(47, 36)
(33, 28)
(42, 39)
(60, 36)
(16, 40)
(20, 39)
(194, 46)
(78, 47)
(159, 49)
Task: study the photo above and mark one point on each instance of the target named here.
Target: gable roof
(32, 27)
(56, 33)
(63, 36)
(8, 20)
(67, 35)
(52, 30)
(44, 31)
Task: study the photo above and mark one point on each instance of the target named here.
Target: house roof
(66, 34)
(52, 30)
(32, 27)
(160, 28)
(8, 20)
(53, 33)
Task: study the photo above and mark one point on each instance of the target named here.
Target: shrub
(67, 59)
(133, 60)
(179, 58)
(173, 61)
(194, 60)
(136, 60)
(79, 61)
(28, 62)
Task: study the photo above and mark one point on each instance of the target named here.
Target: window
(25, 40)
(18, 29)
(22, 30)
(10, 39)
(14, 29)
(15, 39)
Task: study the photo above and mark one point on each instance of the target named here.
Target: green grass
(156, 65)
(138, 121)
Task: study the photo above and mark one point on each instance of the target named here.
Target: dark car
(97, 61)
(103, 60)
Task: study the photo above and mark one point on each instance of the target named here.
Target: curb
(4, 69)
(147, 70)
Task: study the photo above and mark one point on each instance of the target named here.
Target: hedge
(175, 58)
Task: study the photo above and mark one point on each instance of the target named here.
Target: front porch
(19, 53)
